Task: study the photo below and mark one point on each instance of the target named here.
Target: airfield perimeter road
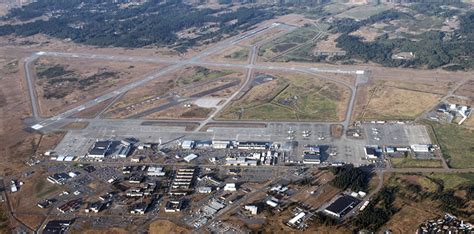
(175, 65)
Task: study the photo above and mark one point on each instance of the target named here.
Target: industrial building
(342, 206)
(253, 145)
(100, 149)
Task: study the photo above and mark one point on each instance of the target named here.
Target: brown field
(123, 73)
(185, 83)
(15, 107)
(385, 102)
(466, 90)
(164, 226)
(32, 221)
(409, 217)
(368, 34)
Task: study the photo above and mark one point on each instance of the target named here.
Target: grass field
(389, 103)
(291, 98)
(241, 55)
(287, 41)
(363, 12)
(457, 144)
(415, 163)
(451, 180)
(199, 74)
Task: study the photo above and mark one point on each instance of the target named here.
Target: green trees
(104, 23)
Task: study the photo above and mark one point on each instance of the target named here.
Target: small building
(295, 220)
(58, 178)
(252, 209)
(311, 158)
(220, 144)
(187, 144)
(230, 187)
(139, 208)
(420, 148)
(190, 157)
(173, 206)
(155, 171)
(253, 145)
(204, 189)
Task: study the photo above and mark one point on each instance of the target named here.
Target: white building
(190, 157)
(155, 171)
(220, 144)
(420, 148)
(297, 218)
(230, 187)
(187, 144)
(253, 209)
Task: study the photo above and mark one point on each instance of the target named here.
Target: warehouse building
(342, 206)
(100, 149)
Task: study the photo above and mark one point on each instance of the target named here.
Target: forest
(105, 23)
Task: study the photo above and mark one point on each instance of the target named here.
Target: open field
(164, 226)
(456, 144)
(363, 11)
(451, 180)
(287, 41)
(415, 198)
(64, 83)
(385, 102)
(235, 54)
(166, 97)
(291, 97)
(415, 163)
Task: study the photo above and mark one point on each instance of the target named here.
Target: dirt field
(164, 226)
(291, 97)
(386, 102)
(409, 217)
(368, 34)
(185, 83)
(64, 83)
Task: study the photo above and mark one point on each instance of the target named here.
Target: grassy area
(364, 12)
(389, 103)
(10, 67)
(288, 41)
(42, 189)
(202, 74)
(240, 55)
(451, 181)
(415, 163)
(295, 98)
(457, 144)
